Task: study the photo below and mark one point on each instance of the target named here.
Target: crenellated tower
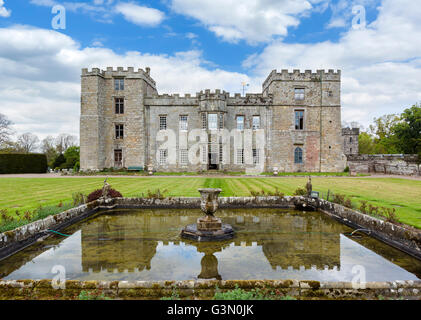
(112, 121)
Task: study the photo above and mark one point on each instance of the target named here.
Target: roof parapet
(120, 71)
(297, 75)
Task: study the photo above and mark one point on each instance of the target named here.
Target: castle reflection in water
(269, 244)
(122, 242)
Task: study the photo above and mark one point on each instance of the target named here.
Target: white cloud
(41, 76)
(99, 10)
(142, 16)
(5, 13)
(250, 20)
(191, 35)
(381, 69)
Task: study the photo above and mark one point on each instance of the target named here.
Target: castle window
(118, 158)
(162, 122)
(256, 122)
(350, 139)
(299, 120)
(350, 150)
(184, 156)
(204, 154)
(299, 94)
(212, 121)
(298, 155)
(220, 152)
(221, 121)
(183, 123)
(256, 158)
(119, 84)
(240, 156)
(119, 131)
(204, 121)
(163, 155)
(119, 105)
(240, 122)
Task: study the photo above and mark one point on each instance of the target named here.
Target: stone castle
(294, 125)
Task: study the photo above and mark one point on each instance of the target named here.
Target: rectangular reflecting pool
(269, 244)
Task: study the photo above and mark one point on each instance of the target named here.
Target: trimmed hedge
(23, 163)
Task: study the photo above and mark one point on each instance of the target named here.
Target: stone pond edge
(205, 289)
(405, 239)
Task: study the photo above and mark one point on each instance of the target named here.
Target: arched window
(298, 155)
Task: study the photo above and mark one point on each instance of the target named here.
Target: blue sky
(196, 44)
(176, 33)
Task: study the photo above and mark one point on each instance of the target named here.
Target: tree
(28, 142)
(366, 144)
(384, 138)
(59, 161)
(5, 129)
(72, 156)
(48, 148)
(64, 141)
(408, 131)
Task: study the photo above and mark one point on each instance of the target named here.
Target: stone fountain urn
(209, 227)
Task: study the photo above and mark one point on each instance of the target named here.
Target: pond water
(269, 244)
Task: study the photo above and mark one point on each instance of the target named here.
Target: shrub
(5, 217)
(389, 214)
(241, 294)
(300, 192)
(339, 198)
(95, 195)
(348, 203)
(58, 161)
(79, 198)
(363, 206)
(9, 222)
(23, 163)
(63, 166)
(372, 210)
(346, 169)
(27, 216)
(263, 193)
(157, 194)
(72, 156)
(92, 295)
(46, 211)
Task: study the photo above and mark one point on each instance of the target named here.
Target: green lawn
(27, 194)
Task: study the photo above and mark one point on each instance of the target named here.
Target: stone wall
(205, 289)
(350, 140)
(404, 238)
(399, 164)
(319, 140)
(98, 117)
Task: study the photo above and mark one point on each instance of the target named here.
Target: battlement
(174, 99)
(121, 72)
(208, 94)
(297, 75)
(350, 131)
(255, 99)
(236, 99)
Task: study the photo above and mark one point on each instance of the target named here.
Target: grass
(203, 173)
(321, 174)
(23, 194)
